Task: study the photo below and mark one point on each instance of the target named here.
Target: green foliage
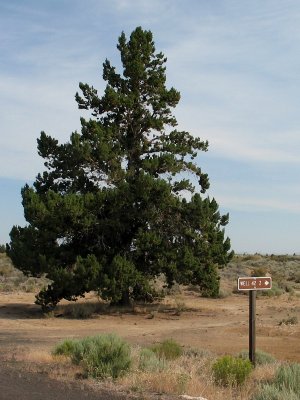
(286, 385)
(288, 377)
(168, 349)
(101, 356)
(231, 371)
(110, 213)
(149, 361)
(65, 348)
(2, 248)
(261, 357)
(271, 392)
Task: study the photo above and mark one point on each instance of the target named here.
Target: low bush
(275, 291)
(198, 353)
(271, 392)
(261, 358)
(82, 310)
(65, 348)
(100, 356)
(168, 349)
(286, 385)
(148, 361)
(231, 371)
(288, 377)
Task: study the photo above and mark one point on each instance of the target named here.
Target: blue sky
(236, 64)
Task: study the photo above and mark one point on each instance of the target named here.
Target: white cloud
(236, 64)
(255, 203)
(240, 148)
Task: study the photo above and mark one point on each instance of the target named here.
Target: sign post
(252, 284)
(252, 335)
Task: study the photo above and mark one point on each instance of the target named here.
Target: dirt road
(24, 385)
(220, 326)
(17, 385)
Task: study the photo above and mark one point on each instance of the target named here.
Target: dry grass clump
(81, 310)
(176, 377)
(192, 375)
(12, 280)
(292, 320)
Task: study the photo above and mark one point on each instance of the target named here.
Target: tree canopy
(123, 201)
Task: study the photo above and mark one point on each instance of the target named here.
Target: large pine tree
(120, 203)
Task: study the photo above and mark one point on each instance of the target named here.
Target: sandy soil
(218, 325)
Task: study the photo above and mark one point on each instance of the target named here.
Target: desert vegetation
(164, 368)
(12, 279)
(284, 270)
(171, 364)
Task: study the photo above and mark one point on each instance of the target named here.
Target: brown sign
(260, 283)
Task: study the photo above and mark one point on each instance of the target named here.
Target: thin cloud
(253, 204)
(236, 148)
(236, 64)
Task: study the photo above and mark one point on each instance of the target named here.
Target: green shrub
(168, 349)
(229, 370)
(65, 348)
(261, 358)
(101, 356)
(271, 392)
(148, 361)
(275, 291)
(286, 385)
(288, 377)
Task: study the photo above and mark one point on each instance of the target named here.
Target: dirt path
(218, 325)
(17, 384)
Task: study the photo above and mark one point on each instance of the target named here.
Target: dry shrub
(178, 377)
(191, 374)
(38, 356)
(289, 321)
(261, 357)
(264, 373)
(80, 310)
(188, 374)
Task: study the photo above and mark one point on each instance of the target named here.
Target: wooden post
(252, 312)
